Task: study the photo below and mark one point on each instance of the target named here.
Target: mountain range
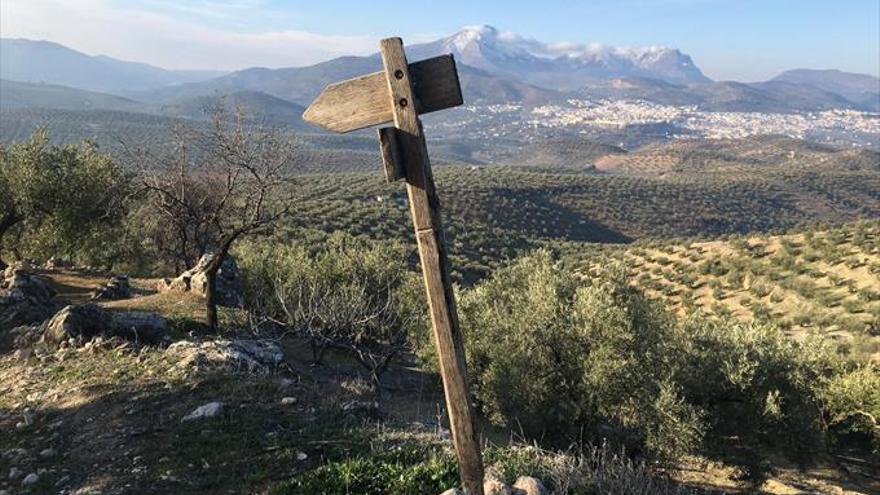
(496, 67)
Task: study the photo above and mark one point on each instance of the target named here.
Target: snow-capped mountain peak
(504, 52)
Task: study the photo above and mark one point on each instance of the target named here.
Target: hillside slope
(823, 282)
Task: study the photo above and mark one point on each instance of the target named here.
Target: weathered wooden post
(399, 94)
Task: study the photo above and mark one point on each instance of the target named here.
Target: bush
(391, 474)
(558, 359)
(753, 382)
(852, 403)
(567, 360)
(347, 294)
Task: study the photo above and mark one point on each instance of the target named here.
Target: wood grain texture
(363, 101)
(425, 210)
(392, 159)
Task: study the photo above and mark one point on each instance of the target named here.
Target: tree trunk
(211, 299)
(7, 221)
(211, 275)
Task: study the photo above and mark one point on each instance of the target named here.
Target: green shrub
(754, 383)
(556, 359)
(346, 293)
(852, 403)
(562, 359)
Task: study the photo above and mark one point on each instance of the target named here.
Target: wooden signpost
(400, 94)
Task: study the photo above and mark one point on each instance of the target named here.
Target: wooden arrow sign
(400, 93)
(363, 101)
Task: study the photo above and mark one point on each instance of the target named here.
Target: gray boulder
(208, 410)
(228, 284)
(527, 485)
(85, 322)
(24, 298)
(118, 288)
(255, 356)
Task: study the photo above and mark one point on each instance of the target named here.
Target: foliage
(405, 470)
(568, 360)
(348, 294)
(852, 402)
(754, 383)
(560, 359)
(215, 187)
(60, 201)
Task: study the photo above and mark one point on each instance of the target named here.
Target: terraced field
(739, 156)
(818, 282)
(494, 212)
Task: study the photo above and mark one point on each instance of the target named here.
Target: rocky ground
(103, 412)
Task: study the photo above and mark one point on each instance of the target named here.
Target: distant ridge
(862, 89)
(51, 63)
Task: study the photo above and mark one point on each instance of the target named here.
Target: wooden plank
(425, 210)
(389, 147)
(363, 101)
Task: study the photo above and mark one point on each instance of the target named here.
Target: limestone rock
(527, 485)
(77, 322)
(255, 356)
(494, 486)
(140, 326)
(118, 288)
(85, 322)
(208, 410)
(228, 285)
(24, 298)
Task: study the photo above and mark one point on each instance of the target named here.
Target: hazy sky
(729, 39)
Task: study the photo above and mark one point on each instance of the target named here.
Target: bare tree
(217, 185)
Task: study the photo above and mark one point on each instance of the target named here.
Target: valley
(667, 284)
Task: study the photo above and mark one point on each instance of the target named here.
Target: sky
(744, 40)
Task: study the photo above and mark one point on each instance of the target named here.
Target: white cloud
(164, 36)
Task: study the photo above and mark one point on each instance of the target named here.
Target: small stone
(494, 486)
(45, 453)
(14, 473)
(527, 485)
(301, 456)
(208, 410)
(30, 479)
(288, 401)
(453, 491)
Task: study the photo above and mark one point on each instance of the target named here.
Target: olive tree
(59, 199)
(217, 184)
(565, 361)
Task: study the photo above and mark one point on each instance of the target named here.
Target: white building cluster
(840, 126)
